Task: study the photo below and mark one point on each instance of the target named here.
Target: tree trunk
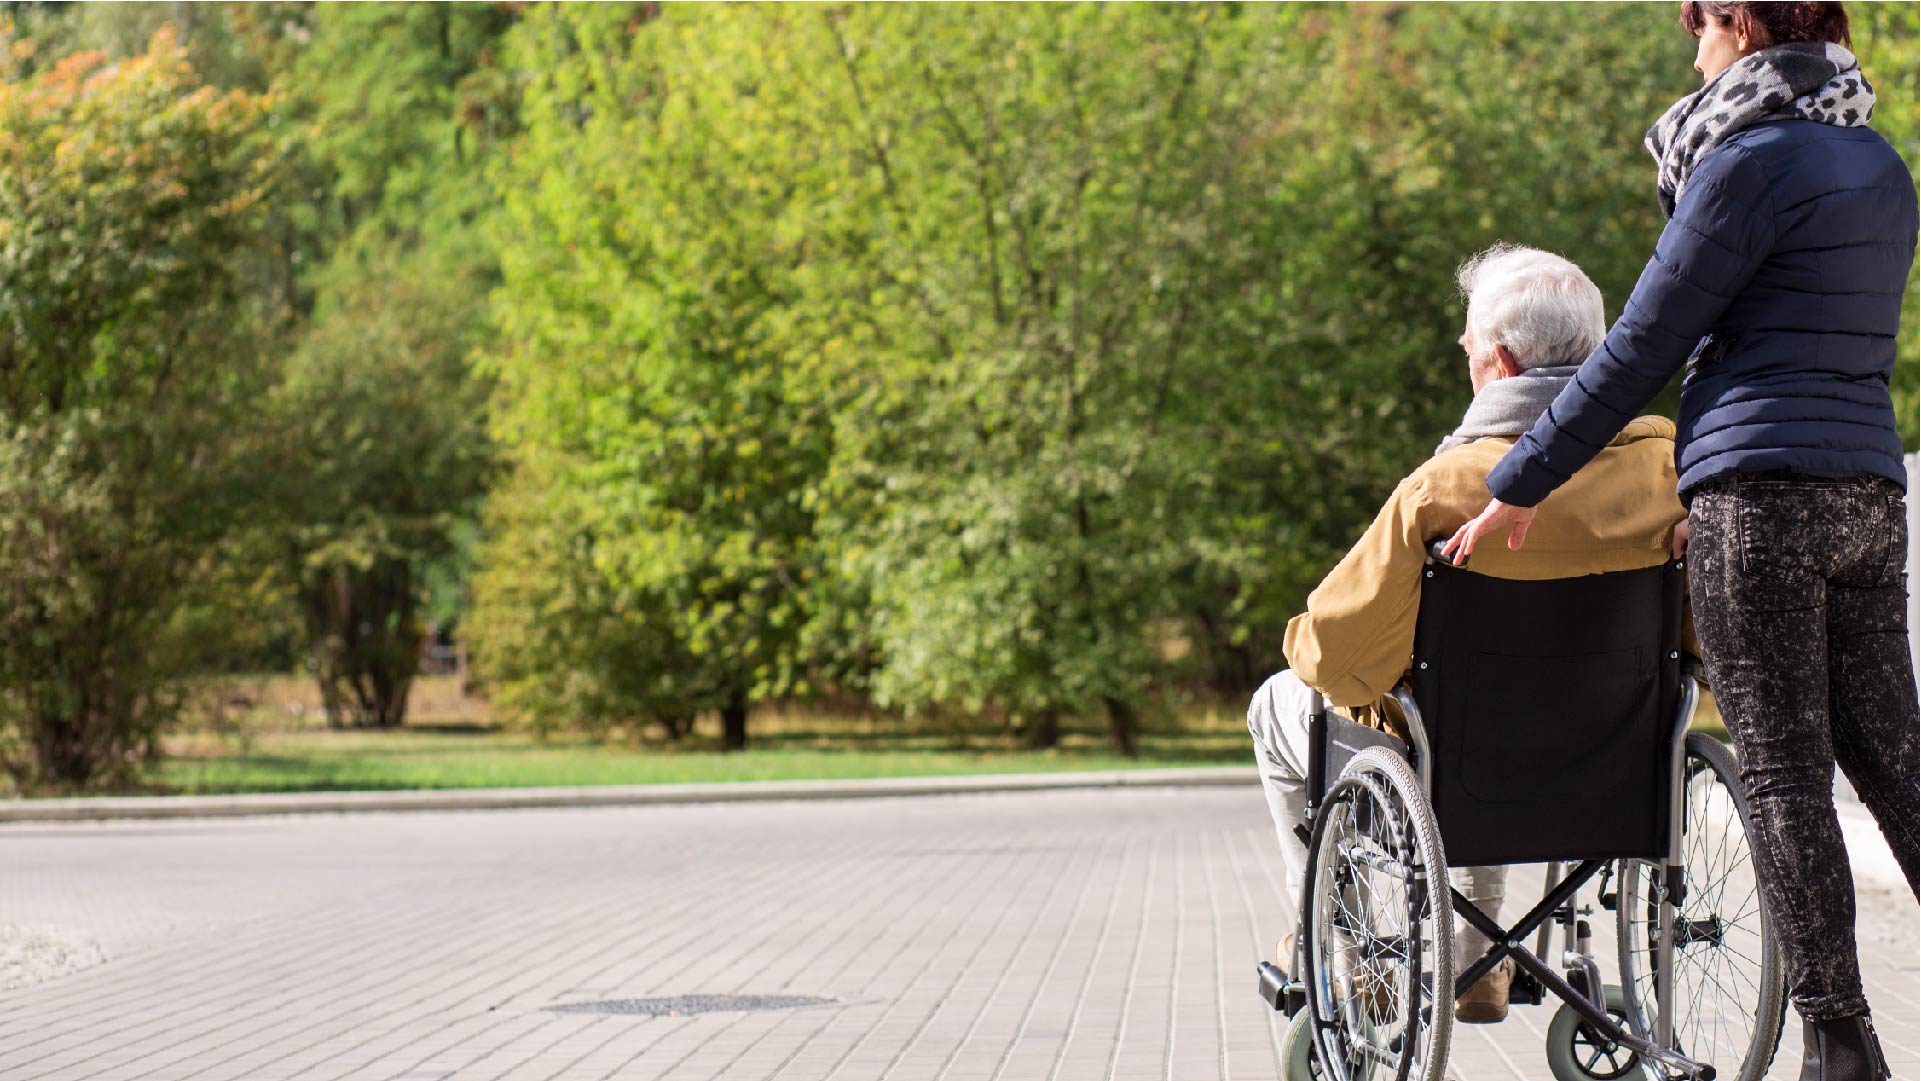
(733, 724)
(85, 729)
(364, 644)
(1044, 731)
(676, 725)
(1122, 727)
(331, 700)
(60, 752)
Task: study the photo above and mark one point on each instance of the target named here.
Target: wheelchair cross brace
(1508, 943)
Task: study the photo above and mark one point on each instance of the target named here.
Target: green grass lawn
(273, 741)
(486, 759)
(267, 736)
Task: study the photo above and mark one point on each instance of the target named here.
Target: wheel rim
(1370, 933)
(1720, 968)
(1603, 1059)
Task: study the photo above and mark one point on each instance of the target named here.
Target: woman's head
(1731, 31)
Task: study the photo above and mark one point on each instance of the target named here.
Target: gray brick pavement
(1073, 936)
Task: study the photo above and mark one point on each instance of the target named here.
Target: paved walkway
(1025, 936)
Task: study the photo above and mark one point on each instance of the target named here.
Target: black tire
(1730, 992)
(1379, 928)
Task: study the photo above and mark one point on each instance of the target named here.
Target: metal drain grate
(683, 1005)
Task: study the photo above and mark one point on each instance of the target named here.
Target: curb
(86, 809)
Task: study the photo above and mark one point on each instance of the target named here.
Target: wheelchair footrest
(1526, 990)
(1279, 992)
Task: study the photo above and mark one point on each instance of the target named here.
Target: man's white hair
(1542, 307)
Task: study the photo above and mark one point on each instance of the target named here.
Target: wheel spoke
(1718, 1001)
(1374, 927)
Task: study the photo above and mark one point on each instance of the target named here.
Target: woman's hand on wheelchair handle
(1497, 517)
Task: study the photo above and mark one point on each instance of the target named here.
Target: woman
(1778, 281)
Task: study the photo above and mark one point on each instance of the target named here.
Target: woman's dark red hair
(1768, 24)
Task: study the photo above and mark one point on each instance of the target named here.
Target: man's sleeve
(1353, 642)
(1723, 227)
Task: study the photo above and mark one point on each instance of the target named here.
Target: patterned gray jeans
(1800, 599)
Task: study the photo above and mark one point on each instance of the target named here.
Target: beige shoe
(1486, 1002)
(1284, 956)
(1378, 996)
(1364, 983)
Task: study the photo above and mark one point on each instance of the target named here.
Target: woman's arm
(1723, 227)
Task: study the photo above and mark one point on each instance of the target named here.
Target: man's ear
(1505, 360)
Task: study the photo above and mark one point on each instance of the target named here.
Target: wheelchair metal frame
(1557, 904)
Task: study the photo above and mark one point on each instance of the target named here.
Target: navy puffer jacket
(1779, 283)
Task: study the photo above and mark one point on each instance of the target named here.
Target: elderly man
(1532, 317)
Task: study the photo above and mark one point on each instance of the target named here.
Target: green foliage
(128, 195)
(559, 645)
(1160, 306)
(1045, 216)
(645, 363)
(1085, 326)
(386, 455)
(406, 102)
(229, 45)
(1885, 36)
(1004, 364)
(386, 451)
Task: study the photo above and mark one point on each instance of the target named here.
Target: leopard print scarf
(1813, 81)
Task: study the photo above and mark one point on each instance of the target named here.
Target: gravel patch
(35, 955)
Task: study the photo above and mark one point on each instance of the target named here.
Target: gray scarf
(1810, 80)
(1509, 407)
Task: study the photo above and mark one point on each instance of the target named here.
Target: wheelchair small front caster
(1297, 1049)
(1575, 1052)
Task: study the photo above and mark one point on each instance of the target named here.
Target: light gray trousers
(1277, 719)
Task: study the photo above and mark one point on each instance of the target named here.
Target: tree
(561, 645)
(231, 46)
(1091, 367)
(645, 362)
(403, 113)
(384, 454)
(129, 194)
(1034, 343)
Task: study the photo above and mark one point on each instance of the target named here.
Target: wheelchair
(1547, 722)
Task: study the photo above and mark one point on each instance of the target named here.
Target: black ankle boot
(1844, 1050)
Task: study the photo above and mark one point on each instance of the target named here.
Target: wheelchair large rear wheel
(1729, 990)
(1380, 929)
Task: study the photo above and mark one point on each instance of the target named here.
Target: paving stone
(1104, 935)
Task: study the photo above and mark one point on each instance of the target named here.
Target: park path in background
(1070, 935)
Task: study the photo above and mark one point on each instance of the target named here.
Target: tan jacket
(1355, 639)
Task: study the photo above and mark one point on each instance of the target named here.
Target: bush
(128, 193)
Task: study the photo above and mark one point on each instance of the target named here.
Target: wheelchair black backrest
(1549, 708)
